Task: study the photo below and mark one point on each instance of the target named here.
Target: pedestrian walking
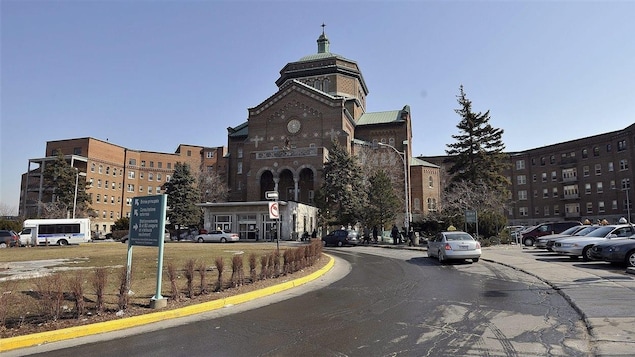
(394, 233)
(375, 234)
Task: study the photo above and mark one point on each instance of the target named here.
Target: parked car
(217, 236)
(454, 245)
(166, 237)
(340, 237)
(529, 236)
(581, 246)
(615, 251)
(584, 231)
(9, 239)
(541, 243)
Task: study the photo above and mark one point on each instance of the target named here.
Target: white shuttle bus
(55, 231)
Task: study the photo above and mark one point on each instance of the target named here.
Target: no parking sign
(274, 212)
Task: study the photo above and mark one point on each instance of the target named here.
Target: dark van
(530, 235)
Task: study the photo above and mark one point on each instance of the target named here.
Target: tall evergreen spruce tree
(477, 155)
(60, 177)
(341, 196)
(183, 196)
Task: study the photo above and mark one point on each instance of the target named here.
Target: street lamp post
(403, 156)
(628, 205)
(77, 174)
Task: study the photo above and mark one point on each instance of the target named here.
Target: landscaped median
(7, 344)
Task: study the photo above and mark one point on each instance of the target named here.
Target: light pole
(628, 204)
(403, 156)
(77, 173)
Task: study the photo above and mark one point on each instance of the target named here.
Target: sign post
(471, 217)
(274, 213)
(147, 228)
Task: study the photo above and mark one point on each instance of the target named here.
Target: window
(556, 209)
(417, 204)
(132, 162)
(99, 198)
(585, 153)
(159, 164)
(104, 216)
(140, 188)
(545, 193)
(610, 164)
(98, 183)
(598, 169)
(101, 169)
(112, 214)
(589, 207)
(130, 174)
(601, 207)
(587, 188)
(522, 195)
(522, 211)
(430, 182)
(239, 153)
(128, 201)
(143, 163)
(612, 184)
(189, 153)
(596, 151)
(239, 168)
(112, 200)
(92, 168)
(107, 170)
(534, 177)
(520, 164)
(623, 165)
(535, 193)
(542, 161)
(585, 171)
(167, 178)
(552, 159)
(614, 205)
(151, 163)
(599, 187)
(537, 211)
(158, 190)
(546, 210)
(626, 184)
(544, 177)
(159, 178)
(621, 145)
(113, 185)
(141, 175)
(130, 188)
(210, 155)
(569, 174)
(608, 148)
(521, 179)
(150, 176)
(150, 190)
(555, 192)
(554, 176)
(106, 185)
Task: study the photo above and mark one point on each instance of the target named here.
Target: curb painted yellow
(12, 343)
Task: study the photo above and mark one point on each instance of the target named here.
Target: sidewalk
(604, 297)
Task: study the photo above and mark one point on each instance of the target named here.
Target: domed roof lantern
(323, 42)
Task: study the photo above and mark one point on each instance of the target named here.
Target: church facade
(284, 143)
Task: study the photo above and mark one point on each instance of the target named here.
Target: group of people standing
(403, 236)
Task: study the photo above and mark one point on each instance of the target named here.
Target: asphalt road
(391, 303)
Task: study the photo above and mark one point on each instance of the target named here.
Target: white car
(455, 245)
(581, 246)
(217, 236)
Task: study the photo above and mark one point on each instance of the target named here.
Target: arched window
(430, 182)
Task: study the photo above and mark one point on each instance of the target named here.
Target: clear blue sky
(151, 75)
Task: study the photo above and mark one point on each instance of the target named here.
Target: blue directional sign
(147, 220)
